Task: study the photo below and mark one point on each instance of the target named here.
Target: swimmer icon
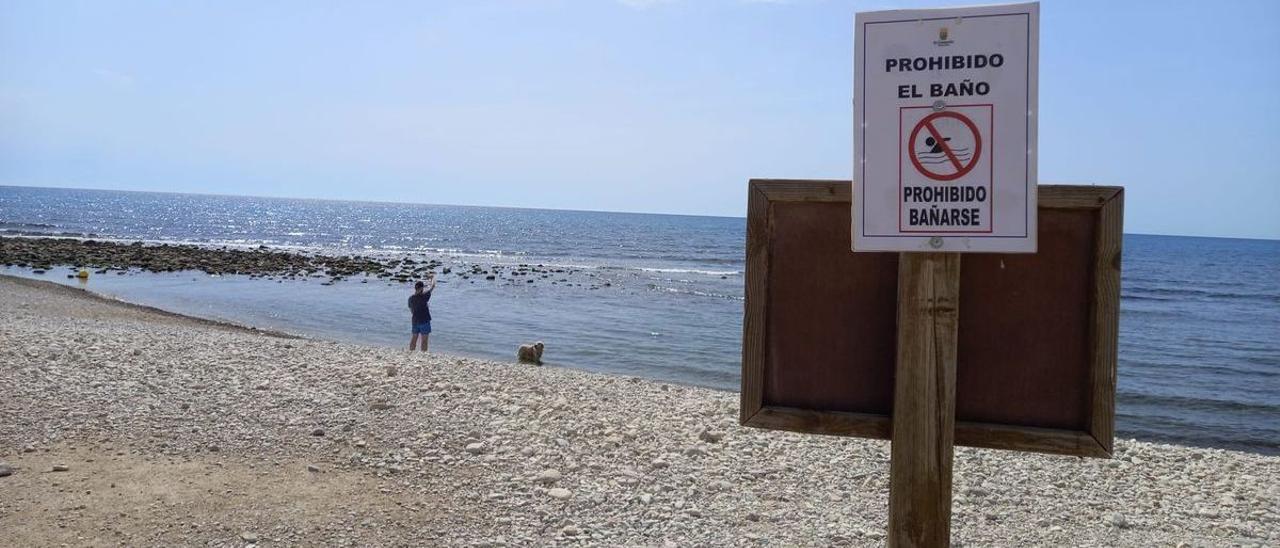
(933, 152)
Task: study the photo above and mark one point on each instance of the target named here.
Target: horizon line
(223, 195)
(393, 202)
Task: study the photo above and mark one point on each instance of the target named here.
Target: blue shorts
(423, 328)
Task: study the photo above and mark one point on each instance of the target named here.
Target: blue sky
(638, 105)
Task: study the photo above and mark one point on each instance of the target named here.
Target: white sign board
(944, 119)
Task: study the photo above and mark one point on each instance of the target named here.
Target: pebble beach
(129, 426)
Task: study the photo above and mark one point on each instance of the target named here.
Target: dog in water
(530, 353)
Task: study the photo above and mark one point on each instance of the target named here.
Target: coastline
(177, 430)
(83, 293)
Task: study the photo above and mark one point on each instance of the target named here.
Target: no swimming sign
(945, 129)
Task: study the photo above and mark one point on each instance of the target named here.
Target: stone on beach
(1116, 519)
(548, 476)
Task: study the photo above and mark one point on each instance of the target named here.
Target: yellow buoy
(83, 274)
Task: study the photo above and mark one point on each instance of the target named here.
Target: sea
(1199, 356)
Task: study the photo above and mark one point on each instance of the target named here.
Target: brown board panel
(1035, 359)
(1023, 356)
(828, 338)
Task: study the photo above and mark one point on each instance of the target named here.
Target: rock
(752, 516)
(571, 531)
(5, 470)
(379, 405)
(475, 448)
(313, 468)
(1117, 520)
(61, 468)
(559, 493)
(659, 463)
(392, 371)
(249, 537)
(710, 437)
(646, 498)
(317, 432)
(547, 477)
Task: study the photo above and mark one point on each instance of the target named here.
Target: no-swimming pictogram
(944, 146)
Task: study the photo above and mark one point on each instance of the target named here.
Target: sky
(665, 106)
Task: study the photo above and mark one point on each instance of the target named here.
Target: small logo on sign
(942, 40)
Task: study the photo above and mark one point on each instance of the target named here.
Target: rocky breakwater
(106, 256)
(44, 254)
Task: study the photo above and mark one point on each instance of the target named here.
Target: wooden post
(924, 400)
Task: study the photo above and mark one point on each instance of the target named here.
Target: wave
(935, 155)
(21, 233)
(1164, 430)
(960, 155)
(698, 293)
(1167, 401)
(944, 161)
(18, 224)
(1178, 293)
(691, 271)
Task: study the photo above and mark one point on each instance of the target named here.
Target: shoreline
(176, 431)
(84, 293)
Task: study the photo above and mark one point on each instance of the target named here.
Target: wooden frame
(1094, 439)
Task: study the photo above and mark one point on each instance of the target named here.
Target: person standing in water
(421, 320)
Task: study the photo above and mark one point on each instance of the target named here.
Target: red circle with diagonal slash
(927, 125)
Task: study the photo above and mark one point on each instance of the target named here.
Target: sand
(125, 426)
